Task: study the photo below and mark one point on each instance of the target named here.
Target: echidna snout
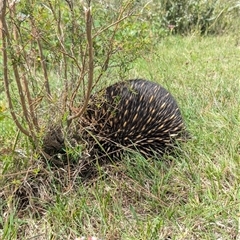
(135, 115)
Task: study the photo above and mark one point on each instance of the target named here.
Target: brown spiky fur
(137, 115)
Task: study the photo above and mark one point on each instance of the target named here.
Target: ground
(192, 195)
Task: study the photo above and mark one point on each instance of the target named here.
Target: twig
(109, 53)
(88, 17)
(5, 36)
(60, 36)
(111, 25)
(81, 77)
(43, 62)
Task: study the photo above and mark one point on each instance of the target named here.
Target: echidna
(135, 115)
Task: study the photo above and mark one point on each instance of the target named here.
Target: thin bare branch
(111, 42)
(5, 36)
(120, 19)
(31, 105)
(109, 26)
(88, 17)
(81, 77)
(42, 58)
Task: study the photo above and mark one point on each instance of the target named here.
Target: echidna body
(135, 114)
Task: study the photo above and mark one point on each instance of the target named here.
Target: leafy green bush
(61, 28)
(184, 16)
(57, 52)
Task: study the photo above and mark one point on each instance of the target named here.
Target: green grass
(195, 195)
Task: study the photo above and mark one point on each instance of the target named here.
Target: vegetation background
(192, 48)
